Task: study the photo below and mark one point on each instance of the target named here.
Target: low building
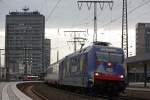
(139, 68)
(142, 38)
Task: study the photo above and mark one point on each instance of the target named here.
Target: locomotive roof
(82, 51)
(87, 49)
(102, 43)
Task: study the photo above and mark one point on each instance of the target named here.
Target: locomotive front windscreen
(106, 56)
(109, 64)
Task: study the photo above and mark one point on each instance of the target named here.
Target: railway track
(131, 98)
(40, 91)
(27, 88)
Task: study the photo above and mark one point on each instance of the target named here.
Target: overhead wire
(88, 23)
(119, 17)
(42, 5)
(131, 11)
(139, 6)
(52, 11)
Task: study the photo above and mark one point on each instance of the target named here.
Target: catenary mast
(125, 28)
(101, 3)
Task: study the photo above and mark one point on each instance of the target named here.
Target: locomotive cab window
(117, 58)
(102, 56)
(113, 57)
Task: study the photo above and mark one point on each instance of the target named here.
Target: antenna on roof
(25, 9)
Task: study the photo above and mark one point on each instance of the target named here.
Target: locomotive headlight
(121, 76)
(109, 64)
(96, 74)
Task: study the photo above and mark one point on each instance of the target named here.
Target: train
(30, 78)
(98, 67)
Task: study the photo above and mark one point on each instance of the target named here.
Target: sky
(64, 15)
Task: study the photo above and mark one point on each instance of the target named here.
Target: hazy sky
(65, 15)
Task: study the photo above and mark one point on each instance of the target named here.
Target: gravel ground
(144, 95)
(31, 94)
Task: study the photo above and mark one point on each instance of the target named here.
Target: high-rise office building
(47, 53)
(24, 43)
(142, 38)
